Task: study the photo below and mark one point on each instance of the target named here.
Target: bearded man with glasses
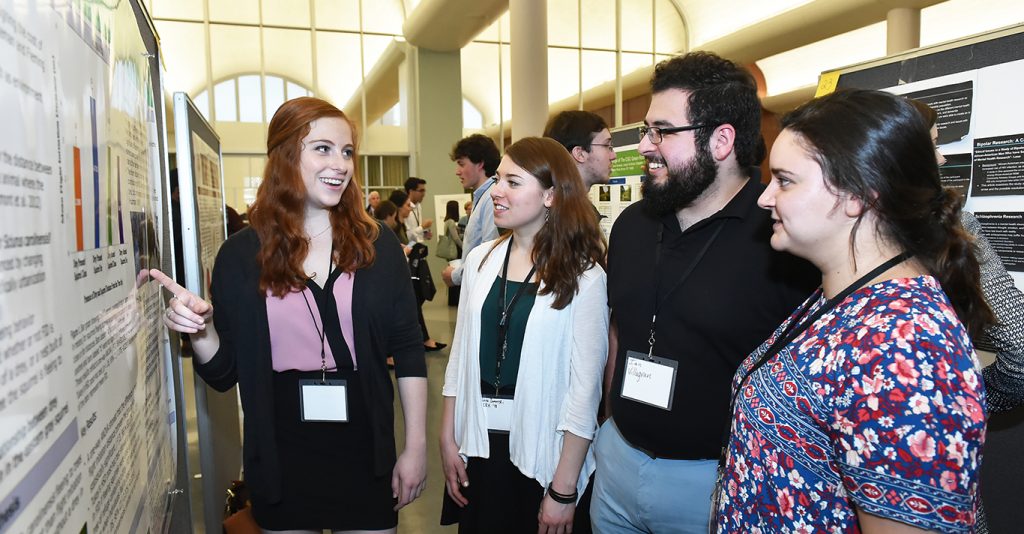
(694, 287)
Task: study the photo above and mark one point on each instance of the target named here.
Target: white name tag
(323, 401)
(498, 412)
(649, 380)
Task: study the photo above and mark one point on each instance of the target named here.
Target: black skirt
(501, 498)
(326, 468)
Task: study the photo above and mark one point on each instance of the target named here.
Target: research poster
(627, 174)
(85, 400)
(975, 89)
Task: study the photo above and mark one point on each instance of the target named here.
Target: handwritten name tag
(498, 411)
(649, 380)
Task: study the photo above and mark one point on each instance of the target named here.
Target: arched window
(242, 99)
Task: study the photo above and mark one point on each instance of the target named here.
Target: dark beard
(683, 186)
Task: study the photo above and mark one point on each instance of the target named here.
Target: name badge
(323, 401)
(498, 412)
(650, 380)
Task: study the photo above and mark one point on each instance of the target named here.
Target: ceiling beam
(449, 25)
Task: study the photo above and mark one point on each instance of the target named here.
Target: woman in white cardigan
(523, 382)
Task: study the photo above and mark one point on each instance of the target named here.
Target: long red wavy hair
(277, 214)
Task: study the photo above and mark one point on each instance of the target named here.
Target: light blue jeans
(634, 493)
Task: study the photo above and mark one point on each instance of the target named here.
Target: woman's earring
(547, 213)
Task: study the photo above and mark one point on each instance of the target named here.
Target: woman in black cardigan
(307, 303)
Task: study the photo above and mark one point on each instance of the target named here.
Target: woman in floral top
(864, 412)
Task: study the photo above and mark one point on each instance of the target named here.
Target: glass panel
(275, 95)
(632, 62)
(395, 170)
(289, 54)
(374, 47)
(337, 14)
(250, 105)
(372, 172)
(392, 117)
(233, 50)
(175, 9)
(230, 12)
(202, 101)
(670, 33)
(599, 24)
(598, 67)
(471, 117)
(636, 25)
(224, 99)
(188, 41)
(479, 63)
(337, 64)
(295, 90)
(383, 16)
(506, 82)
(284, 12)
(563, 22)
(563, 73)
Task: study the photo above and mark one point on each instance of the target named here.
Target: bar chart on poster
(87, 411)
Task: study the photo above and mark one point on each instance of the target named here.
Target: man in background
(476, 160)
(585, 135)
(416, 227)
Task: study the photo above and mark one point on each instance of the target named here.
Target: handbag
(446, 248)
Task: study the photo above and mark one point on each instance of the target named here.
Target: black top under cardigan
(384, 322)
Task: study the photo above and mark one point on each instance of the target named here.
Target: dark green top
(489, 350)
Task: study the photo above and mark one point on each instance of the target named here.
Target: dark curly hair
(478, 148)
(720, 92)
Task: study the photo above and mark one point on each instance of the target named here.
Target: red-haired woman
(524, 377)
(307, 303)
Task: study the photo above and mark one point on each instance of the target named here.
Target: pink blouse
(294, 341)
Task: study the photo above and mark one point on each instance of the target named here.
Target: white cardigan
(558, 387)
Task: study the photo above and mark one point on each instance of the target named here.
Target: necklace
(320, 233)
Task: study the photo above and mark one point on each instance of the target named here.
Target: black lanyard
(797, 326)
(321, 333)
(505, 313)
(686, 274)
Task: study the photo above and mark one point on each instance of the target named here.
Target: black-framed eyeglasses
(609, 145)
(657, 134)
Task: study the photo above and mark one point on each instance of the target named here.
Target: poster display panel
(973, 84)
(86, 426)
(627, 174)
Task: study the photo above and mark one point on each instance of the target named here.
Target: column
(529, 69)
(902, 30)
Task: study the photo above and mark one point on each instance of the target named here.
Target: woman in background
(451, 224)
(307, 303)
(401, 199)
(865, 410)
(523, 381)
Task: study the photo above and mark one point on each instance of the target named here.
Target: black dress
(327, 468)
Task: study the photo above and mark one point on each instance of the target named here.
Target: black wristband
(562, 498)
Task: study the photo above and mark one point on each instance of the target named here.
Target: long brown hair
(570, 242)
(278, 213)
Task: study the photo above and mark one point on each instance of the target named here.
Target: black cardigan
(384, 321)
